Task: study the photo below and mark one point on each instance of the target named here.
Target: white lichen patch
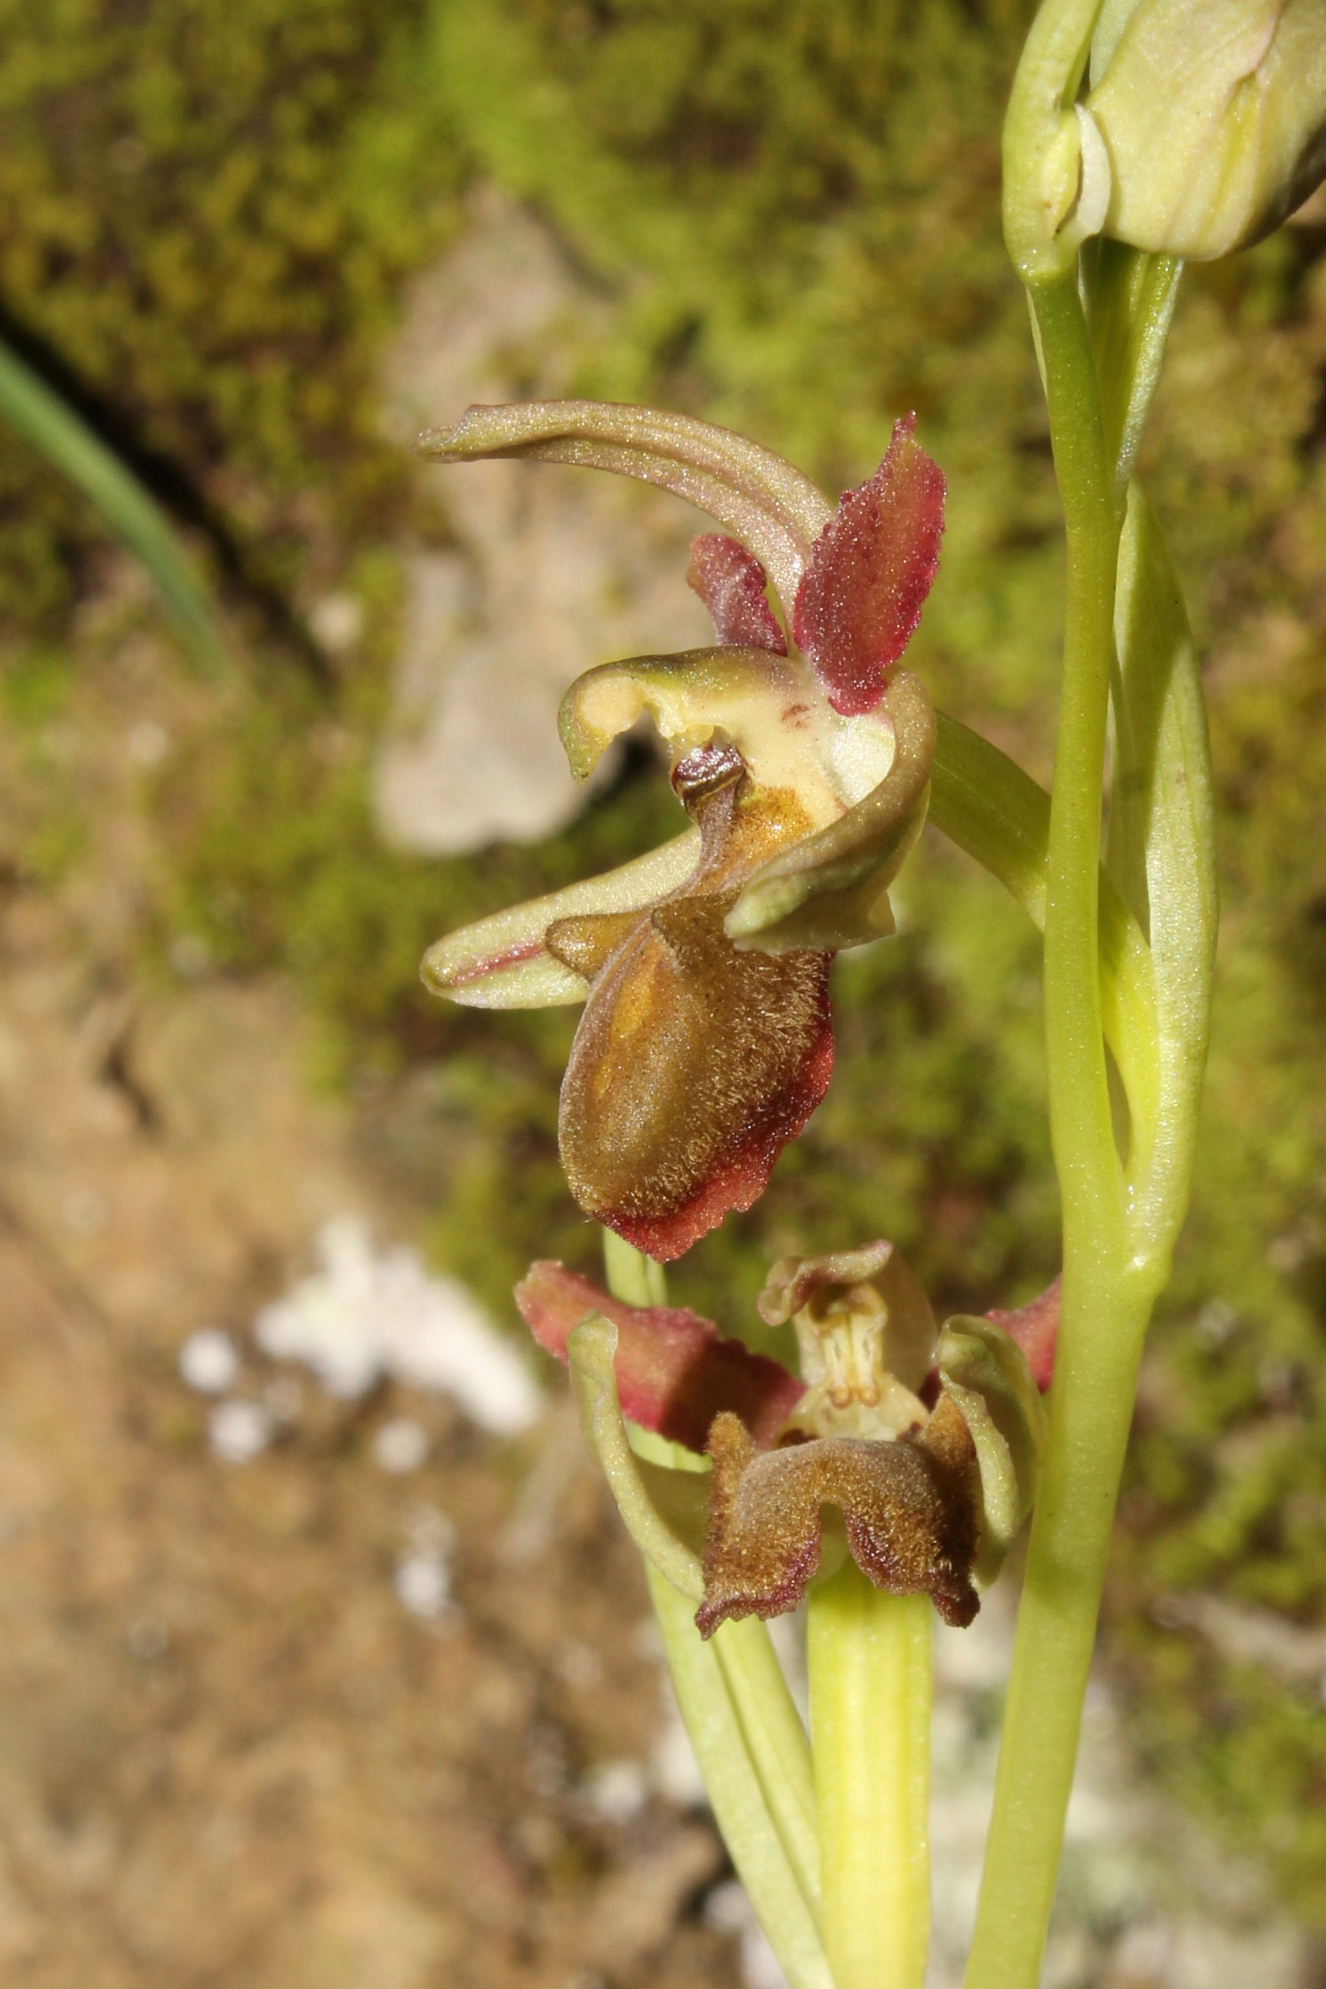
(367, 1313)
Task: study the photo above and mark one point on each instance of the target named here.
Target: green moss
(204, 222)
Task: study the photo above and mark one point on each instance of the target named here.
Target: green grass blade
(52, 427)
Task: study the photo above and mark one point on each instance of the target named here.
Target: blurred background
(324, 1663)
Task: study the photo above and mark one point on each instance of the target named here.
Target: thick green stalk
(871, 1692)
(1090, 1176)
(1090, 1417)
(988, 806)
(1106, 1297)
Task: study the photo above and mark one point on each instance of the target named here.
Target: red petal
(674, 1372)
(869, 573)
(1035, 1327)
(730, 582)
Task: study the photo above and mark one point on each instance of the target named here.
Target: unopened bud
(1213, 117)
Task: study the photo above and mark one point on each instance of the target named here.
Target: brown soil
(230, 1756)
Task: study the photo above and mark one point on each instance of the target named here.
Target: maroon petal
(1035, 1328)
(730, 582)
(869, 573)
(674, 1372)
(693, 1066)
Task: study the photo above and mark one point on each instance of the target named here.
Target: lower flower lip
(909, 1507)
(684, 1085)
(736, 1186)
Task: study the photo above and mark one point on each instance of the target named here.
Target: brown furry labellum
(694, 1062)
(910, 1508)
(922, 1440)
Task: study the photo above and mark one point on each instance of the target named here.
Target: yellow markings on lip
(634, 1013)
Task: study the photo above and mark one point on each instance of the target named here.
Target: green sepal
(501, 961)
(665, 1511)
(986, 1374)
(762, 500)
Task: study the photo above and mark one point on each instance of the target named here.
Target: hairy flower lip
(909, 1507)
(645, 1148)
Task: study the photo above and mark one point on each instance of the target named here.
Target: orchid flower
(802, 757)
(924, 1439)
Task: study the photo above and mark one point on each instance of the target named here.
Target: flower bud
(1213, 117)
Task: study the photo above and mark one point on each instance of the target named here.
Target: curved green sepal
(769, 505)
(660, 1508)
(503, 962)
(986, 1374)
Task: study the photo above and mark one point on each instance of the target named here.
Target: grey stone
(552, 570)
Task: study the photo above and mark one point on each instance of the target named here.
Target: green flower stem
(1081, 1123)
(871, 1691)
(632, 1277)
(67, 442)
(1090, 1417)
(1107, 1294)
